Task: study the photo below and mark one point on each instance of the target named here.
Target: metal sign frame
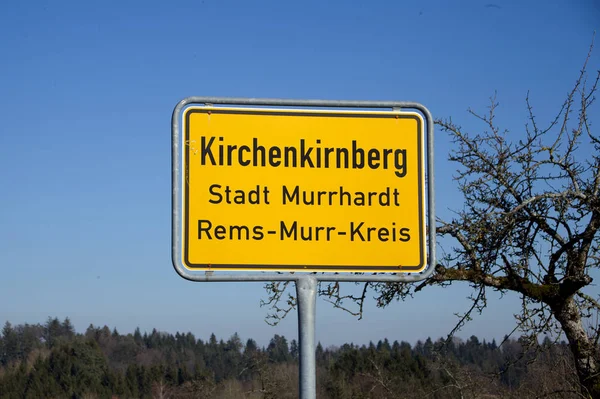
(177, 191)
(306, 282)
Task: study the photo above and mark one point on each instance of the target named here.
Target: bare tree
(161, 390)
(529, 225)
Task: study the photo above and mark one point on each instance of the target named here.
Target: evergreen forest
(52, 360)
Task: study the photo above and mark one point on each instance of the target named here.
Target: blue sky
(87, 95)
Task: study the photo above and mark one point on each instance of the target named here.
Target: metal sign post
(267, 189)
(306, 293)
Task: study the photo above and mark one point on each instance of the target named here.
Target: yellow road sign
(302, 190)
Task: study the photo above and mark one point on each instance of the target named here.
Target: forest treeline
(52, 360)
